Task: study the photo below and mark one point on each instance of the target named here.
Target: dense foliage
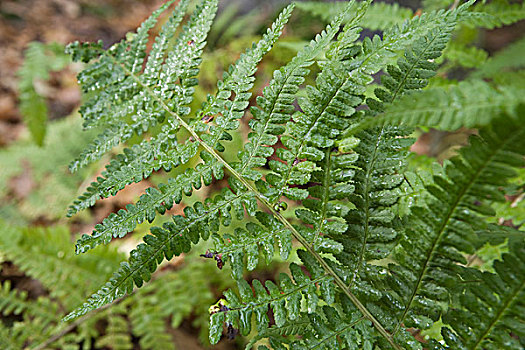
(321, 182)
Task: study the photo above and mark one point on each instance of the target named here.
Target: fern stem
(338, 281)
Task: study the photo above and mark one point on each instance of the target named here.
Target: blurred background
(40, 133)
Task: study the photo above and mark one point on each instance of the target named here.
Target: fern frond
(285, 301)
(173, 239)
(468, 104)
(129, 102)
(431, 248)
(465, 56)
(491, 311)
(275, 104)
(39, 60)
(117, 335)
(247, 242)
(379, 16)
(44, 254)
(495, 14)
(15, 302)
(510, 58)
(372, 226)
(149, 324)
(372, 267)
(153, 201)
(162, 151)
(8, 339)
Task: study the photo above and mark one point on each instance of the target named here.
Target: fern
(380, 16)
(46, 168)
(428, 254)
(496, 14)
(39, 60)
(117, 336)
(35, 322)
(469, 103)
(494, 303)
(366, 273)
(508, 59)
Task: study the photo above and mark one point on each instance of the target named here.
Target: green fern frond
(510, 58)
(371, 266)
(130, 103)
(149, 324)
(159, 152)
(494, 306)
(53, 264)
(275, 104)
(495, 14)
(153, 201)
(8, 339)
(39, 60)
(15, 302)
(117, 336)
(431, 247)
(379, 16)
(464, 56)
(285, 301)
(373, 227)
(173, 239)
(468, 104)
